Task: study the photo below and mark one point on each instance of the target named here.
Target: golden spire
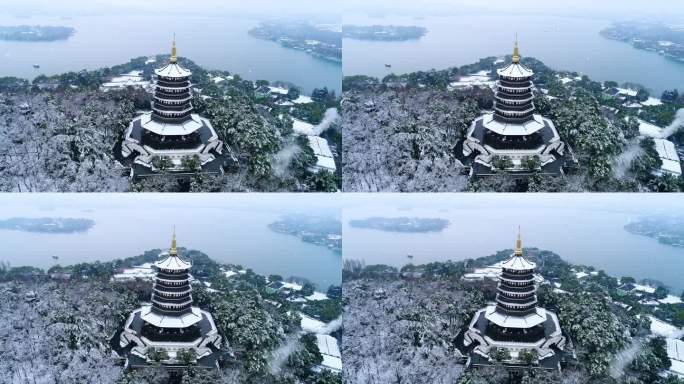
(518, 244)
(173, 251)
(516, 52)
(173, 51)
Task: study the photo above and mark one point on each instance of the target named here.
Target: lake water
(563, 43)
(589, 234)
(212, 42)
(225, 228)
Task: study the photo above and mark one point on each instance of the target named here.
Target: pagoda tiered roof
(516, 71)
(173, 70)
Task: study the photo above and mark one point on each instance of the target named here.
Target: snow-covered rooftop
(311, 325)
(515, 70)
(332, 358)
(648, 129)
(518, 263)
(173, 262)
(531, 320)
(316, 296)
(162, 321)
(668, 154)
(143, 271)
(661, 328)
(167, 129)
(324, 157)
(302, 127)
(172, 70)
(527, 128)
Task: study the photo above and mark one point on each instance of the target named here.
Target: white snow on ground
(332, 358)
(661, 328)
(317, 296)
(566, 80)
(218, 79)
(652, 101)
(670, 299)
(302, 127)
(580, 275)
(648, 129)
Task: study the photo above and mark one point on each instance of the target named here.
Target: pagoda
(171, 138)
(515, 325)
(513, 138)
(170, 322)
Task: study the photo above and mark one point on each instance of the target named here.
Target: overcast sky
(588, 8)
(667, 9)
(263, 8)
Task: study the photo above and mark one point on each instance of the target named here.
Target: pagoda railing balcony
(173, 98)
(516, 83)
(167, 292)
(172, 89)
(171, 306)
(174, 83)
(513, 90)
(514, 114)
(519, 335)
(530, 289)
(513, 312)
(517, 305)
(185, 335)
(513, 120)
(512, 103)
(185, 107)
(516, 308)
(172, 114)
(163, 284)
(166, 92)
(172, 79)
(528, 106)
(175, 301)
(165, 276)
(173, 273)
(509, 78)
(170, 120)
(518, 97)
(517, 93)
(167, 312)
(529, 299)
(164, 287)
(515, 282)
(511, 276)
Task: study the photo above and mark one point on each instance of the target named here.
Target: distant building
(513, 138)
(132, 79)
(514, 331)
(171, 138)
(170, 324)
